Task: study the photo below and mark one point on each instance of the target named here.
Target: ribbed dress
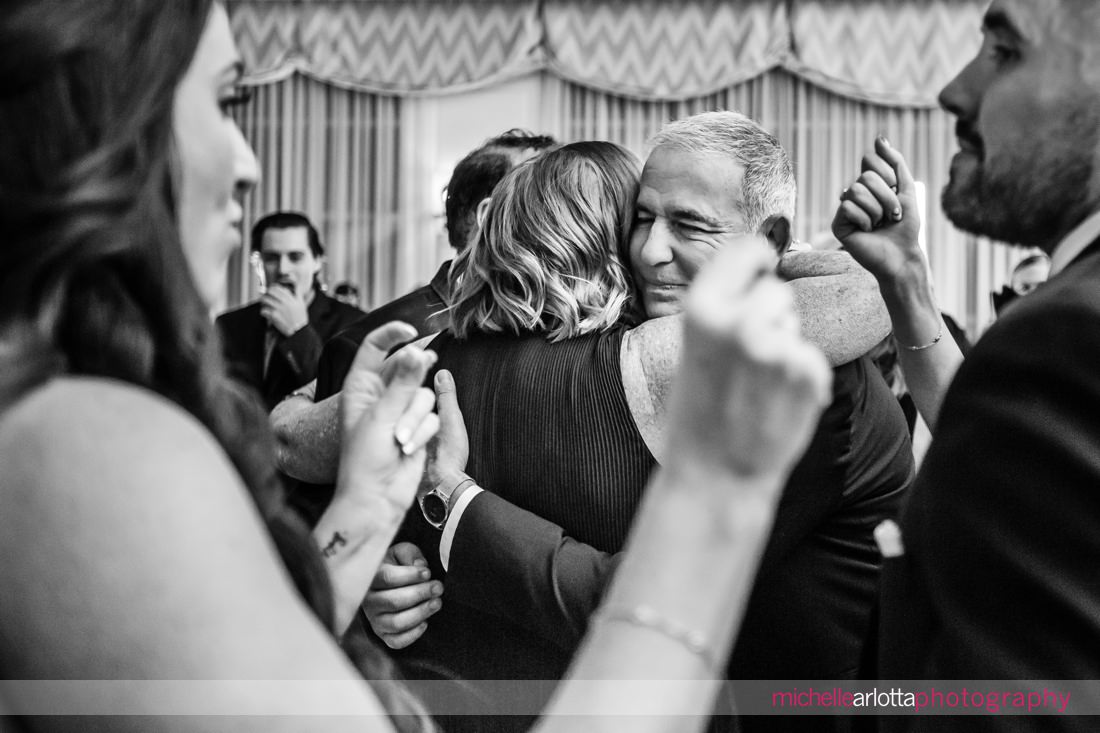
(550, 429)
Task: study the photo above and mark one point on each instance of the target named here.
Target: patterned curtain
(826, 135)
(893, 52)
(652, 49)
(897, 52)
(389, 46)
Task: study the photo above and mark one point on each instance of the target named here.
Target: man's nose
(657, 247)
(959, 97)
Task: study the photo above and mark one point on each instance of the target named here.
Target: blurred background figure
(1030, 273)
(347, 293)
(274, 343)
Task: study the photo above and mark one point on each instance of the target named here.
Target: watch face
(435, 509)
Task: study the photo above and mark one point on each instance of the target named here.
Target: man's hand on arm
(402, 597)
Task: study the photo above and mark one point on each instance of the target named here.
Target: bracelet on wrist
(646, 617)
(928, 345)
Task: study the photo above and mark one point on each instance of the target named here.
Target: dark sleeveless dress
(550, 431)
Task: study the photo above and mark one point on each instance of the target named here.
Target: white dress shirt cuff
(451, 526)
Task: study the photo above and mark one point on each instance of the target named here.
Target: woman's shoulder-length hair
(551, 253)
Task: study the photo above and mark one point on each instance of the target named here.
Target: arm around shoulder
(838, 303)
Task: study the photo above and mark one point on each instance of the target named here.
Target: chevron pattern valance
(897, 52)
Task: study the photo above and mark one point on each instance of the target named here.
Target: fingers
(713, 301)
(390, 575)
(406, 553)
(417, 424)
(445, 390)
(451, 424)
(874, 163)
(402, 609)
(425, 430)
(280, 296)
(399, 616)
(875, 201)
(906, 186)
(397, 603)
(372, 352)
(410, 368)
(400, 641)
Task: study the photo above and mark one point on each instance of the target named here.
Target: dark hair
(96, 282)
(346, 288)
(287, 220)
(479, 172)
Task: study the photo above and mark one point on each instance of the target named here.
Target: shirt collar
(1075, 243)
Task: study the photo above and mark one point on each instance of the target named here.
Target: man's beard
(1035, 196)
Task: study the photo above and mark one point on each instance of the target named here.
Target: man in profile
(274, 344)
(993, 576)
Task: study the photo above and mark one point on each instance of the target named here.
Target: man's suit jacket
(1001, 573)
(424, 309)
(294, 358)
(516, 576)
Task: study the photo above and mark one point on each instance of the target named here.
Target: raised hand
(750, 389)
(878, 220)
(386, 421)
(284, 309)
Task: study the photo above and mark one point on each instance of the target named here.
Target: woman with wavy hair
(565, 391)
(144, 532)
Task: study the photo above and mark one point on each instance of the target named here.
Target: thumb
(410, 368)
(906, 185)
(372, 352)
(446, 398)
(406, 553)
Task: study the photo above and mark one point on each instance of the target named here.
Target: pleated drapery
(897, 52)
(343, 127)
(334, 155)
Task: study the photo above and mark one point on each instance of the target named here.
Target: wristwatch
(436, 504)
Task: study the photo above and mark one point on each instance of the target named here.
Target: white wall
(441, 131)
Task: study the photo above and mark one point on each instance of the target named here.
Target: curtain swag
(894, 52)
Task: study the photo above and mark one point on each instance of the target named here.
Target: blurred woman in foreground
(144, 534)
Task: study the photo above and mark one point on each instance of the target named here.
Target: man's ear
(777, 229)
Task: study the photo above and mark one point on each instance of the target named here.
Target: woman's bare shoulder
(74, 430)
(102, 416)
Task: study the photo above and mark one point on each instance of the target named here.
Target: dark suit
(1001, 573)
(293, 359)
(423, 309)
(520, 591)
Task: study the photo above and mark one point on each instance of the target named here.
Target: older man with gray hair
(520, 590)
